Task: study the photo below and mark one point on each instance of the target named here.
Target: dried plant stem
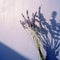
(36, 40)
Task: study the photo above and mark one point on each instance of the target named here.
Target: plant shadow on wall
(51, 43)
(48, 33)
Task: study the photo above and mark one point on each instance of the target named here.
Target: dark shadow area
(51, 45)
(54, 30)
(7, 53)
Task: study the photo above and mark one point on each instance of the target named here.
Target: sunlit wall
(11, 31)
